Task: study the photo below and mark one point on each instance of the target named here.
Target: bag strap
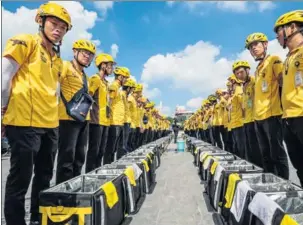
(85, 86)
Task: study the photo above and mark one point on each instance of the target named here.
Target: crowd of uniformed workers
(42, 118)
(256, 113)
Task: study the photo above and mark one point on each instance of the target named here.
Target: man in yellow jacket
(117, 104)
(30, 109)
(289, 29)
(253, 153)
(267, 105)
(100, 112)
(236, 116)
(127, 90)
(73, 133)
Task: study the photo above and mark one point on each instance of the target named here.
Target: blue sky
(165, 37)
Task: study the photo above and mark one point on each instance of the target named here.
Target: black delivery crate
(150, 164)
(114, 170)
(83, 201)
(268, 184)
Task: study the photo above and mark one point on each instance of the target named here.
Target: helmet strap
(286, 38)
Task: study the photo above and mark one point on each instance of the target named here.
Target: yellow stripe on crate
(110, 194)
(204, 157)
(231, 187)
(287, 220)
(196, 150)
(62, 213)
(145, 164)
(214, 167)
(130, 173)
(148, 156)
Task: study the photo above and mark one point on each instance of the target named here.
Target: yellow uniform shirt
(127, 118)
(117, 105)
(292, 91)
(267, 100)
(133, 110)
(248, 98)
(98, 88)
(216, 115)
(236, 112)
(71, 81)
(33, 100)
(141, 113)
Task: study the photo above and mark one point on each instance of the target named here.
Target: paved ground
(177, 198)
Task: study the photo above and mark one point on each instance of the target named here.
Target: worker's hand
(142, 130)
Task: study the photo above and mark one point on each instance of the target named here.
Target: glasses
(86, 53)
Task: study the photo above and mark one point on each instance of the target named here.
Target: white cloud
(114, 50)
(194, 103)
(170, 3)
(198, 68)
(233, 6)
(236, 6)
(265, 5)
(164, 110)
(104, 6)
(82, 19)
(150, 93)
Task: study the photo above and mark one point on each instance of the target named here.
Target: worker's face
(241, 73)
(257, 49)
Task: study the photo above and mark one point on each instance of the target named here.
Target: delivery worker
(267, 105)
(100, 112)
(73, 131)
(289, 30)
(133, 110)
(218, 120)
(117, 104)
(236, 116)
(253, 153)
(31, 106)
(127, 90)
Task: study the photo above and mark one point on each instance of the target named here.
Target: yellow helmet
(53, 9)
(219, 92)
(212, 98)
(292, 16)
(86, 45)
(238, 64)
(150, 105)
(255, 37)
(104, 58)
(123, 71)
(130, 83)
(138, 88)
(142, 99)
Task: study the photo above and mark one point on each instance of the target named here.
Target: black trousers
(73, 138)
(30, 147)
(253, 151)
(132, 139)
(269, 134)
(239, 141)
(138, 138)
(175, 136)
(217, 136)
(98, 135)
(293, 137)
(126, 132)
(114, 144)
(228, 140)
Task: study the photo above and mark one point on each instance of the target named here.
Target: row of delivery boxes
(241, 192)
(107, 195)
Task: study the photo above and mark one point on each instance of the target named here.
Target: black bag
(145, 119)
(79, 105)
